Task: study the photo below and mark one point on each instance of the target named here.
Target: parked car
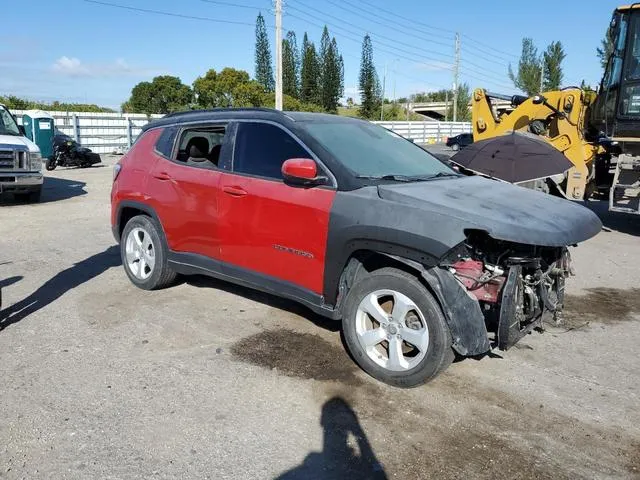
(460, 141)
(20, 161)
(351, 220)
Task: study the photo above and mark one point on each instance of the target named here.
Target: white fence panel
(101, 132)
(427, 132)
(110, 132)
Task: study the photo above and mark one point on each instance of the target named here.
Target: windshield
(370, 151)
(8, 125)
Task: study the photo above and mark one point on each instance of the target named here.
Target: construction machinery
(598, 132)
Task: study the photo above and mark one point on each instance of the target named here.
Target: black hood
(504, 211)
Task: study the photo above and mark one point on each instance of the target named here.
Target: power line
(502, 63)
(231, 4)
(416, 22)
(510, 55)
(361, 13)
(395, 51)
(389, 12)
(169, 14)
(365, 30)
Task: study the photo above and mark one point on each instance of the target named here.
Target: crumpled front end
(494, 292)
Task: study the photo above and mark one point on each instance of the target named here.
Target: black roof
(244, 113)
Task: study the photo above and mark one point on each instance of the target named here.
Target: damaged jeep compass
(360, 225)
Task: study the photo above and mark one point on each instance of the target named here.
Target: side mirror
(538, 100)
(22, 131)
(302, 172)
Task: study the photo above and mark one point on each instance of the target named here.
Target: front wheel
(144, 254)
(455, 147)
(395, 329)
(50, 164)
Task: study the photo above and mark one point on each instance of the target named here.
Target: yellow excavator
(598, 132)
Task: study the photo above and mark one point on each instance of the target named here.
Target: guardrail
(115, 132)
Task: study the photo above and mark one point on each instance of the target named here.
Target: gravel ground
(209, 380)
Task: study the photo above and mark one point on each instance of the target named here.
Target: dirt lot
(208, 380)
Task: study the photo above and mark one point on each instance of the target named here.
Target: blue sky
(73, 50)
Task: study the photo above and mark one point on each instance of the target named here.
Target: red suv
(351, 220)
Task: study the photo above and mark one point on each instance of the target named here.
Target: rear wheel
(144, 254)
(395, 330)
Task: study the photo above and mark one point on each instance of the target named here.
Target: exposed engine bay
(517, 286)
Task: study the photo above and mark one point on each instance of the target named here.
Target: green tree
(229, 88)
(264, 70)
(464, 98)
(368, 82)
(16, 103)
(605, 50)
(553, 75)
(290, 66)
(529, 69)
(585, 86)
(309, 72)
(330, 73)
(164, 94)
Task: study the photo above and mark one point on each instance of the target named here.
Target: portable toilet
(40, 128)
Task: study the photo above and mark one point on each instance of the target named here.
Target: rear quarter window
(164, 145)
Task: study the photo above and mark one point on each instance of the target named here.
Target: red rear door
(265, 225)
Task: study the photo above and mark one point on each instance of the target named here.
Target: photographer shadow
(346, 452)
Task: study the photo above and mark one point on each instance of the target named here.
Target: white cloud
(70, 66)
(74, 67)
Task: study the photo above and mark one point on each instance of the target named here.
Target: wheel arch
(463, 314)
(128, 209)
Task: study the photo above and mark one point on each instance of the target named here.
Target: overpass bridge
(437, 110)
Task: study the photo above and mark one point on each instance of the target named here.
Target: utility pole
(384, 86)
(278, 54)
(446, 105)
(541, 74)
(456, 72)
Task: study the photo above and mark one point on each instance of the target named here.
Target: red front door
(265, 225)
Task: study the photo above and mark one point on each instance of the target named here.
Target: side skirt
(193, 264)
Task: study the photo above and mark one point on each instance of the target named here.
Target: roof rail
(187, 113)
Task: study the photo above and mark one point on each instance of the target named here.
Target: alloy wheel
(392, 330)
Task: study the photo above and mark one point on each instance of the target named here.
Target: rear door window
(209, 140)
(164, 145)
(261, 149)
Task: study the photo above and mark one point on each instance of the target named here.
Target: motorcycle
(68, 153)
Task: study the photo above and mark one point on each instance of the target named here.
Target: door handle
(162, 176)
(234, 191)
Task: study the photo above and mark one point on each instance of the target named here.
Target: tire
(418, 368)
(455, 147)
(50, 164)
(144, 254)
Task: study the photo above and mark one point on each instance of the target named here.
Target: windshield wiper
(395, 178)
(437, 175)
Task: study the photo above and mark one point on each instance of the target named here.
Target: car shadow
(614, 221)
(202, 281)
(339, 459)
(53, 190)
(60, 284)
